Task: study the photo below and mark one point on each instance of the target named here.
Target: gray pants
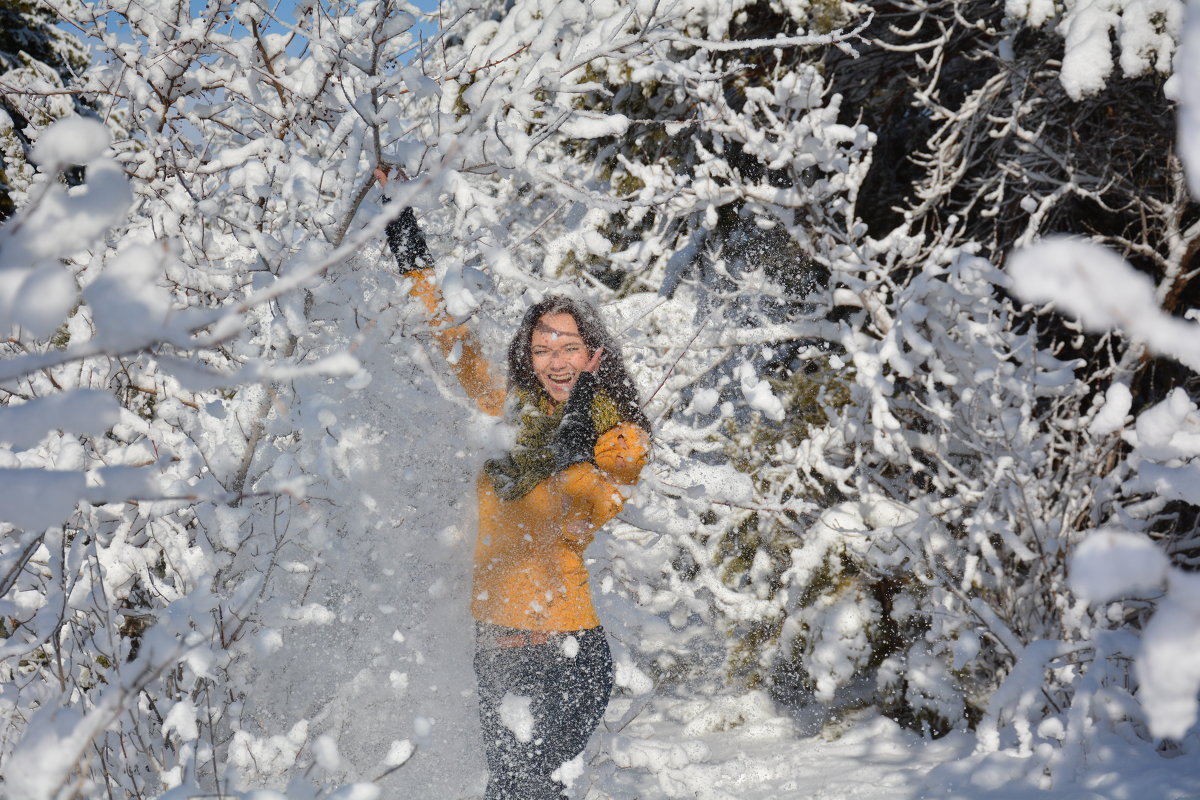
(566, 695)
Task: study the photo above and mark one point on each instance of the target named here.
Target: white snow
(570, 771)
(714, 481)
(840, 648)
(267, 753)
(1104, 292)
(43, 298)
(35, 499)
(129, 304)
(1112, 563)
(325, 751)
(1098, 287)
(1148, 33)
(515, 714)
(73, 140)
(570, 647)
(57, 740)
(182, 719)
(1168, 666)
(594, 126)
(1088, 61)
(1113, 415)
(705, 400)
(1035, 12)
(418, 83)
(400, 751)
(758, 393)
(356, 791)
(88, 411)
(463, 289)
(838, 755)
(1169, 429)
(1144, 31)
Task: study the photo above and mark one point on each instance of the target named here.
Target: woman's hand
(580, 530)
(404, 236)
(594, 361)
(575, 439)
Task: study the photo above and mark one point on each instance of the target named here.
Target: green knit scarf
(531, 461)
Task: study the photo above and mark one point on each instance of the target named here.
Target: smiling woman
(541, 657)
(559, 354)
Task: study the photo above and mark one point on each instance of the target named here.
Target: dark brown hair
(611, 374)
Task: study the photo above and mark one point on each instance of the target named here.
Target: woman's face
(559, 354)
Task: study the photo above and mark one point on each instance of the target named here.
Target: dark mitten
(408, 243)
(575, 440)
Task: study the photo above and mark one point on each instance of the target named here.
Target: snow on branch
(1146, 34)
(1102, 291)
(838, 38)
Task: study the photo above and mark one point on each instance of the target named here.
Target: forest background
(911, 452)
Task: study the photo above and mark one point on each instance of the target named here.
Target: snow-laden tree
(970, 471)
(695, 181)
(746, 205)
(147, 532)
(987, 445)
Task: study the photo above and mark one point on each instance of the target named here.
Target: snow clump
(1112, 563)
(515, 714)
(1111, 416)
(758, 393)
(1146, 31)
(1168, 667)
(73, 140)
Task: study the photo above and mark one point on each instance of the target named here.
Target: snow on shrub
(1165, 444)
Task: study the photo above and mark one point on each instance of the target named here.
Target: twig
(682, 351)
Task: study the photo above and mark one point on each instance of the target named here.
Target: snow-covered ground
(741, 748)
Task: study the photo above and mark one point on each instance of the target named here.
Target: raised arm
(460, 347)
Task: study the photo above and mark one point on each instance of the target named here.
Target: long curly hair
(611, 374)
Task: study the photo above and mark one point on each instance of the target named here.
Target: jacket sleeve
(592, 500)
(459, 346)
(595, 493)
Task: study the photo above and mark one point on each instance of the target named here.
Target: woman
(544, 667)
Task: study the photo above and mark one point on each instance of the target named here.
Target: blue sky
(285, 9)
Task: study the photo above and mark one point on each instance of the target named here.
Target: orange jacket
(529, 570)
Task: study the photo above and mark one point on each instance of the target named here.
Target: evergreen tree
(39, 63)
